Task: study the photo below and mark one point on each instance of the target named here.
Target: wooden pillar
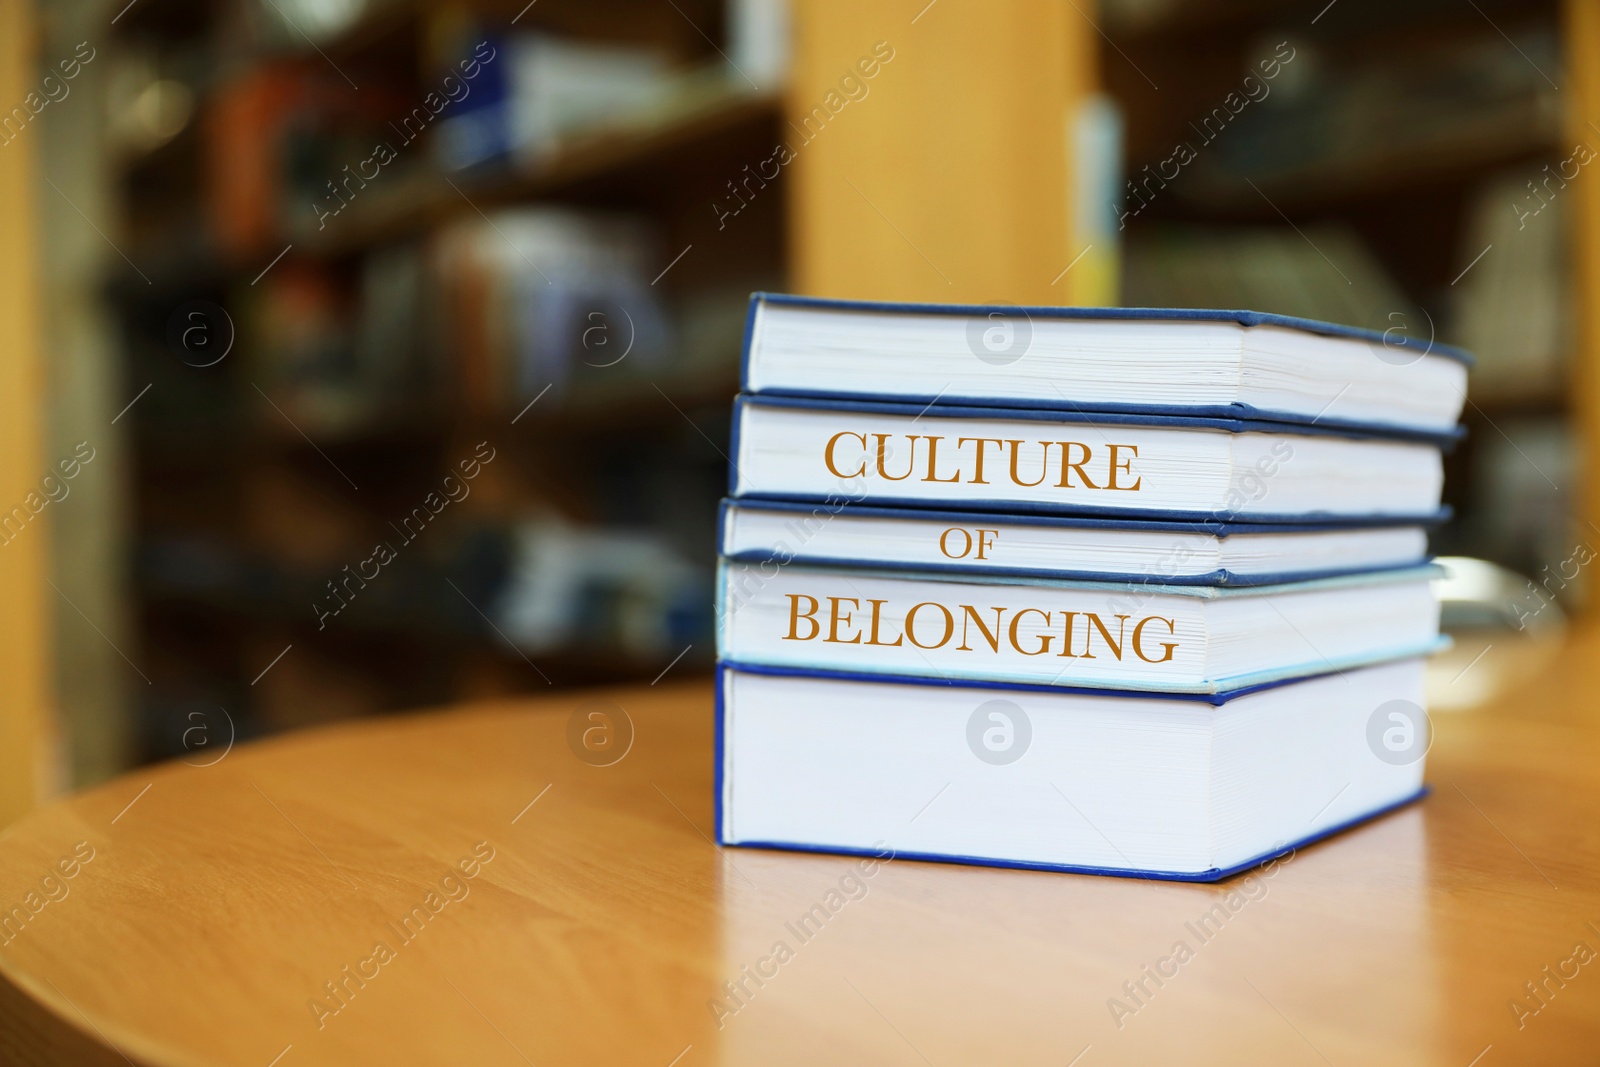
(944, 174)
(92, 684)
(24, 689)
(1581, 39)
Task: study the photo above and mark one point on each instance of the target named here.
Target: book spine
(748, 343)
(816, 452)
(827, 532)
(1113, 636)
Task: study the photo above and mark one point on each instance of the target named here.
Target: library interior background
(468, 281)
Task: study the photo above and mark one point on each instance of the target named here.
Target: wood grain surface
(254, 912)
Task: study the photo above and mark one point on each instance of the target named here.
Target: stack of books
(1110, 590)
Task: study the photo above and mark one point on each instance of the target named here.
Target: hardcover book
(760, 535)
(1238, 364)
(1062, 462)
(1129, 635)
(1183, 788)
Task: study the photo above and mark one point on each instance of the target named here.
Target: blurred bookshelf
(595, 189)
(488, 346)
(1400, 166)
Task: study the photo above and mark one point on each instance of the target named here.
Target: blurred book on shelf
(626, 590)
(1318, 272)
(483, 317)
(288, 147)
(337, 356)
(301, 347)
(1513, 302)
(1524, 468)
(539, 89)
(534, 295)
(394, 317)
(523, 228)
(292, 155)
(539, 585)
(1323, 126)
(300, 523)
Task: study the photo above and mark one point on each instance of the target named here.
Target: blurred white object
(314, 20)
(1475, 594)
(540, 90)
(145, 108)
(558, 287)
(1098, 135)
(1506, 629)
(560, 87)
(574, 585)
(758, 42)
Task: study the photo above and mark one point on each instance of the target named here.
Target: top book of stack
(1139, 361)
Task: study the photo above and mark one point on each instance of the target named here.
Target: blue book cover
(1146, 466)
(1041, 357)
(815, 761)
(1144, 636)
(840, 533)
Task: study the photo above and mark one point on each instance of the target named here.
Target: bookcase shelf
(567, 665)
(929, 189)
(243, 496)
(631, 164)
(637, 410)
(1385, 162)
(1526, 136)
(1183, 23)
(719, 123)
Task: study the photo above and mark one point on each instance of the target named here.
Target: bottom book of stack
(1184, 787)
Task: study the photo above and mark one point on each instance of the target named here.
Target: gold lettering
(949, 624)
(969, 612)
(1138, 630)
(804, 625)
(933, 459)
(985, 544)
(834, 619)
(827, 454)
(883, 440)
(1067, 466)
(1066, 638)
(1044, 463)
(795, 615)
(1044, 639)
(1096, 624)
(943, 547)
(977, 473)
(872, 635)
(1125, 465)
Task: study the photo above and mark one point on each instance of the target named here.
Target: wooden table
(234, 913)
